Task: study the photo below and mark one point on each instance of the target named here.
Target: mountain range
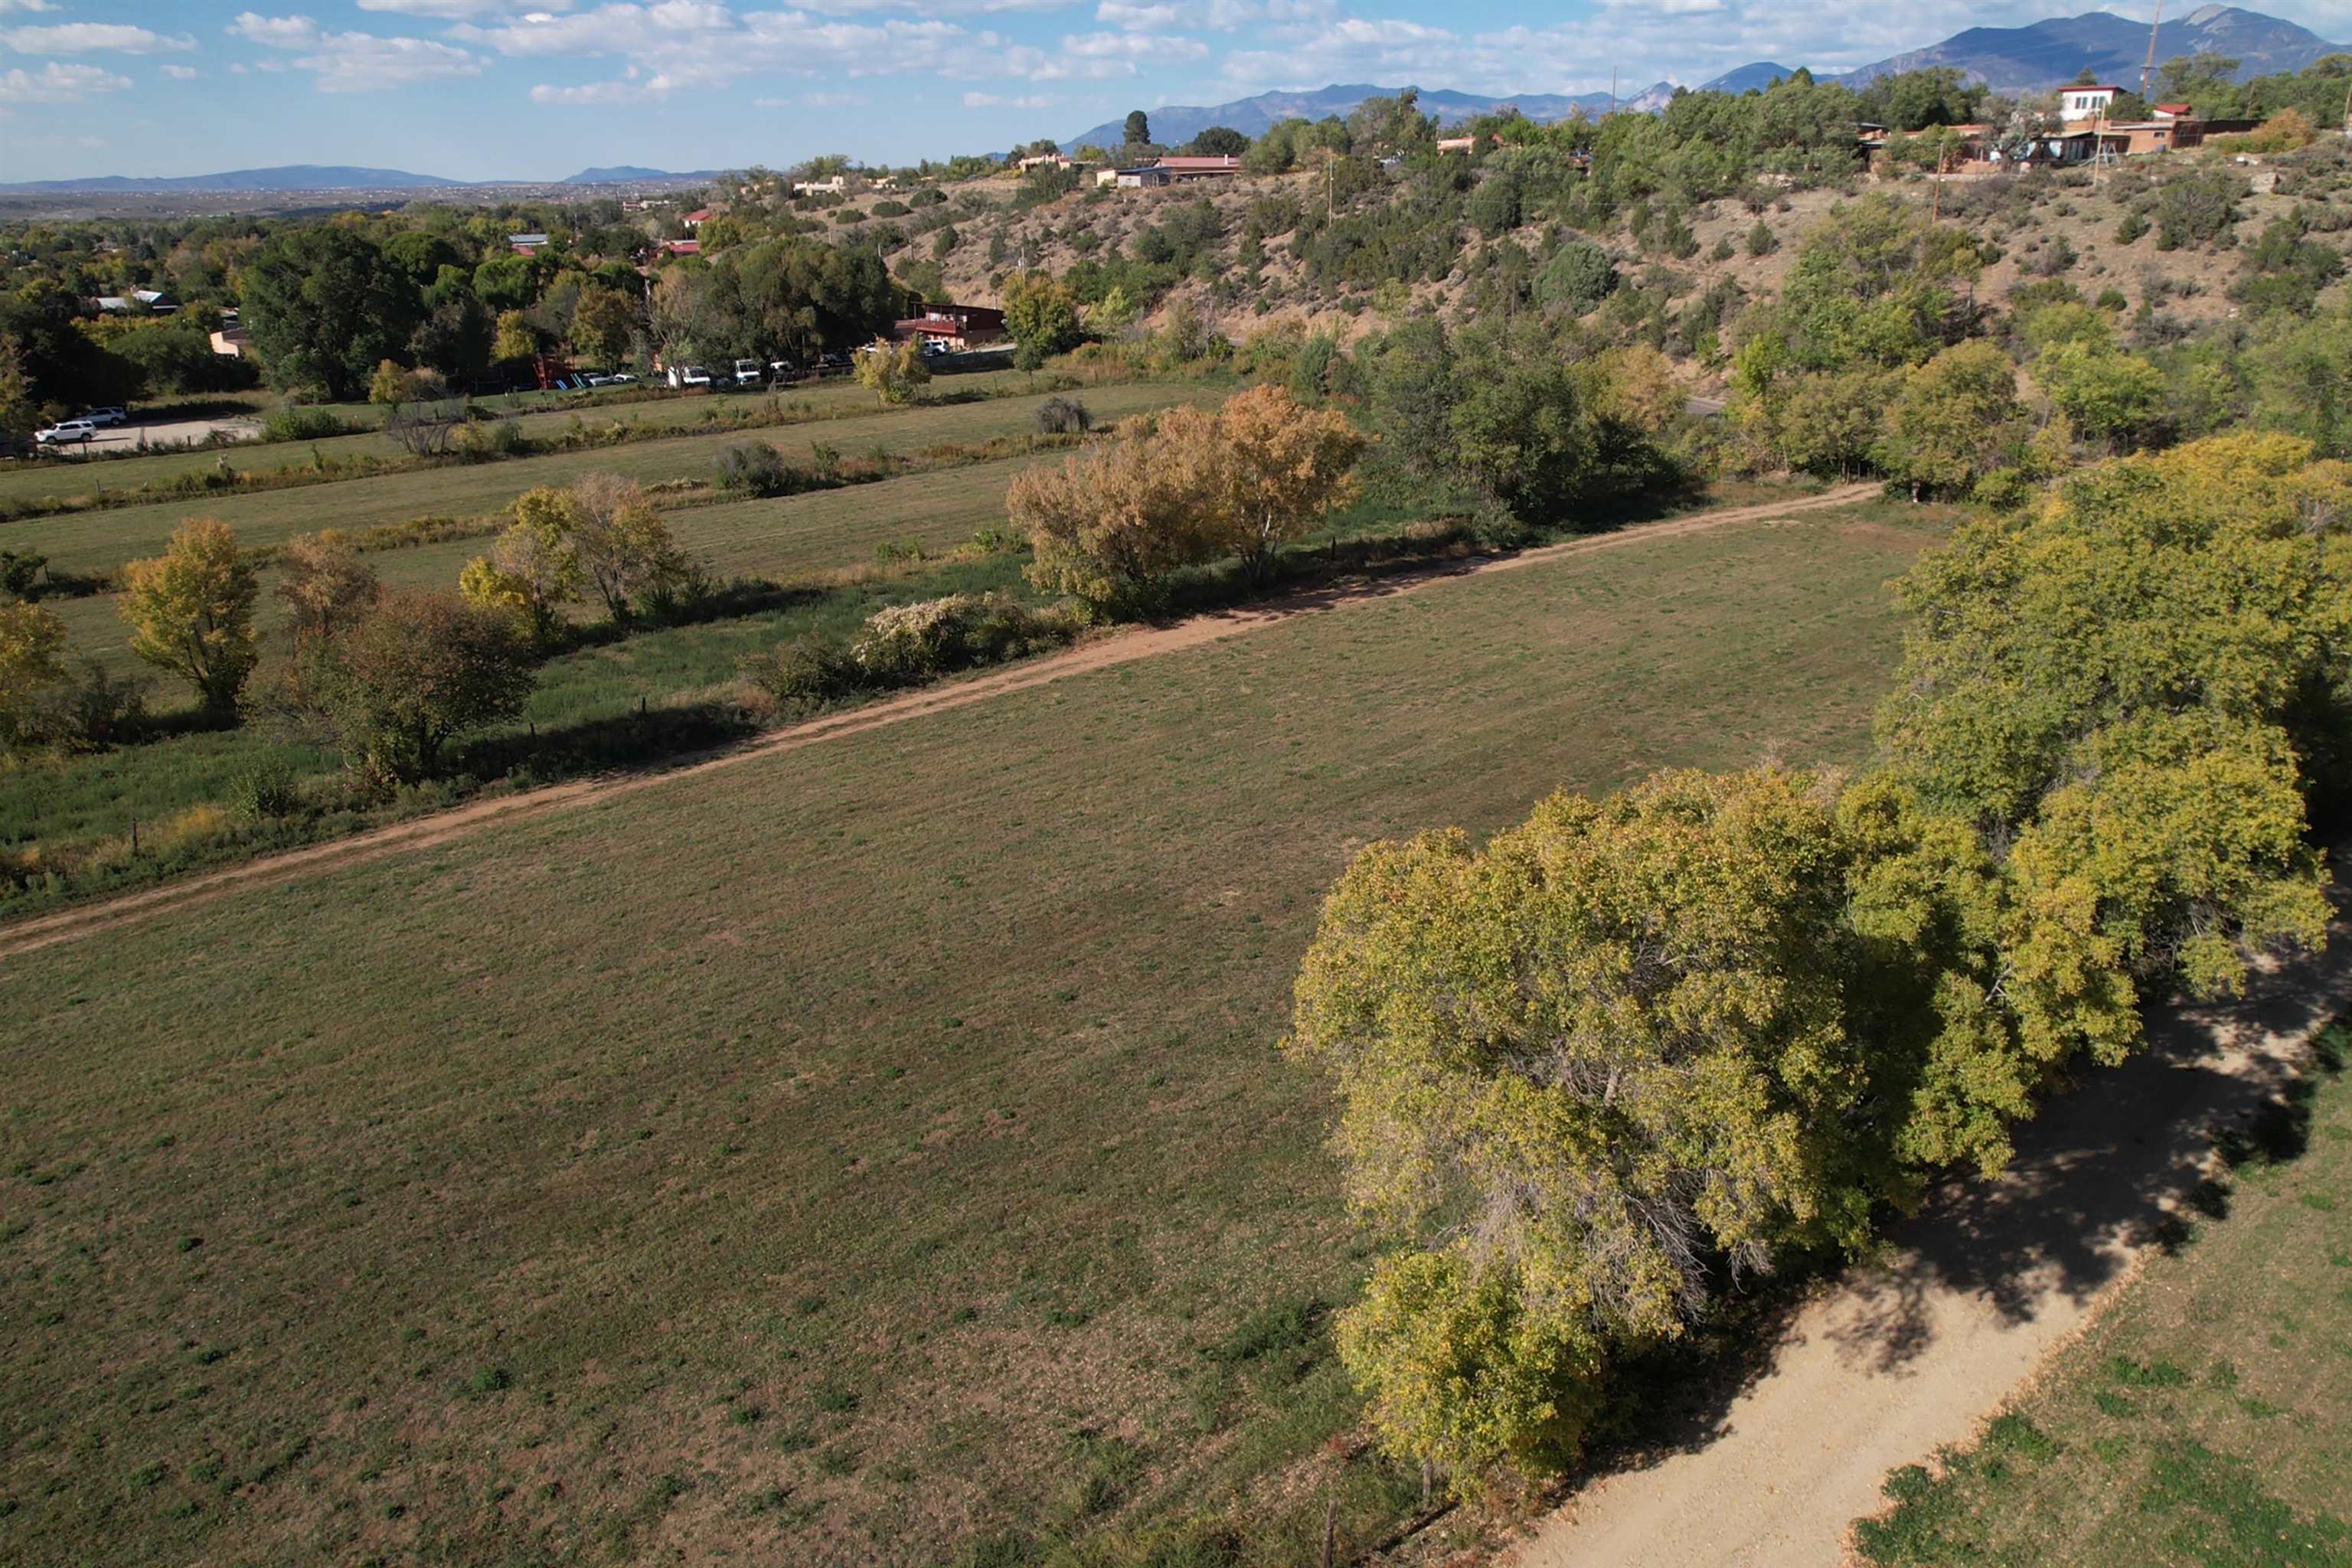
(2034, 58)
(293, 178)
(1174, 123)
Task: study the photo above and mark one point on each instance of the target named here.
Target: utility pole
(2148, 71)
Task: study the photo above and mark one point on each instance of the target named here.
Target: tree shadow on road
(2123, 1158)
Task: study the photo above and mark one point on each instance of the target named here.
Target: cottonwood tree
(20, 411)
(622, 546)
(418, 671)
(2093, 764)
(893, 372)
(1951, 420)
(1587, 1065)
(605, 326)
(324, 309)
(190, 611)
(515, 339)
(1042, 315)
(533, 568)
(1517, 430)
(2117, 398)
(1271, 468)
(1635, 1043)
(325, 587)
(1112, 524)
(32, 659)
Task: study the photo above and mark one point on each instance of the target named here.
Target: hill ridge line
(1122, 648)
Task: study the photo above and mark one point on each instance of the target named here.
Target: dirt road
(1897, 1361)
(1100, 653)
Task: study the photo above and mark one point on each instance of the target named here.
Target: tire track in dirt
(1102, 653)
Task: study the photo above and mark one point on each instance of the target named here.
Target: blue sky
(538, 89)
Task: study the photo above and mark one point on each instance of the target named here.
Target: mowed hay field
(833, 1157)
(97, 542)
(782, 539)
(822, 401)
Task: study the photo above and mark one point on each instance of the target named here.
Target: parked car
(782, 370)
(934, 348)
(622, 378)
(66, 432)
(595, 380)
(747, 373)
(114, 415)
(689, 375)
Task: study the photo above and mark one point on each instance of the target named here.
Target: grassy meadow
(2204, 1417)
(99, 542)
(25, 483)
(873, 1153)
(815, 556)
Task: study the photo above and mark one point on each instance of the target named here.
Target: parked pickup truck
(689, 375)
(67, 432)
(747, 373)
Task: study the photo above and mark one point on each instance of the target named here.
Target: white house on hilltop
(2085, 102)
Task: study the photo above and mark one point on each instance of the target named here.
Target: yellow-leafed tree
(190, 611)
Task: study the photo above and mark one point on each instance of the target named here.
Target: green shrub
(263, 792)
(803, 675)
(492, 439)
(1579, 277)
(906, 645)
(90, 712)
(2197, 209)
(18, 572)
(1059, 415)
(756, 468)
(303, 425)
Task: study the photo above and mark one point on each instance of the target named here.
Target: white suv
(113, 416)
(65, 432)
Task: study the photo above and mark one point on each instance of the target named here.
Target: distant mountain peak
(1172, 124)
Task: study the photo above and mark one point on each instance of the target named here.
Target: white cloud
(674, 44)
(1101, 56)
(275, 32)
(182, 73)
(84, 37)
(353, 62)
(591, 93)
(1138, 16)
(55, 83)
(362, 62)
(461, 10)
(8, 5)
(997, 101)
(938, 8)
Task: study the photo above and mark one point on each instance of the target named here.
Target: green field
(98, 542)
(818, 551)
(786, 539)
(843, 398)
(830, 1158)
(2204, 1417)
